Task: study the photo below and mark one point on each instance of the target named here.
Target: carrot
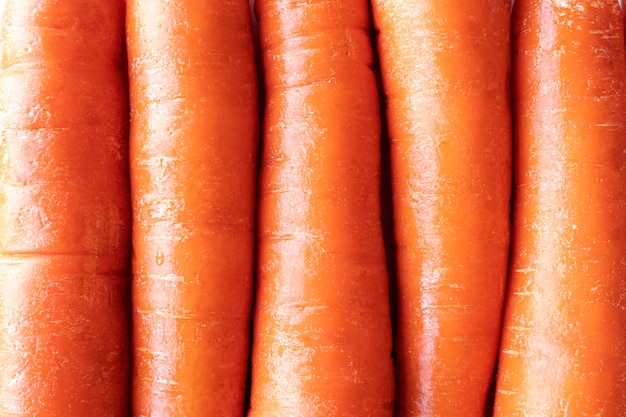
(322, 328)
(194, 140)
(64, 210)
(445, 73)
(564, 337)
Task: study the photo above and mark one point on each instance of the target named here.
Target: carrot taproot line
(193, 153)
(445, 72)
(564, 337)
(64, 210)
(322, 328)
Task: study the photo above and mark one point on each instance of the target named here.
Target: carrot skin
(194, 139)
(446, 73)
(564, 337)
(322, 331)
(64, 210)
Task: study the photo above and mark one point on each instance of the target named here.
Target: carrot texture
(322, 331)
(564, 339)
(64, 210)
(445, 72)
(194, 139)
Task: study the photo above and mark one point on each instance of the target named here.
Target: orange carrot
(322, 332)
(564, 339)
(445, 72)
(64, 210)
(194, 139)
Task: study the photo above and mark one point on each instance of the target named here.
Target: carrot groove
(445, 73)
(322, 332)
(194, 139)
(64, 210)
(564, 340)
